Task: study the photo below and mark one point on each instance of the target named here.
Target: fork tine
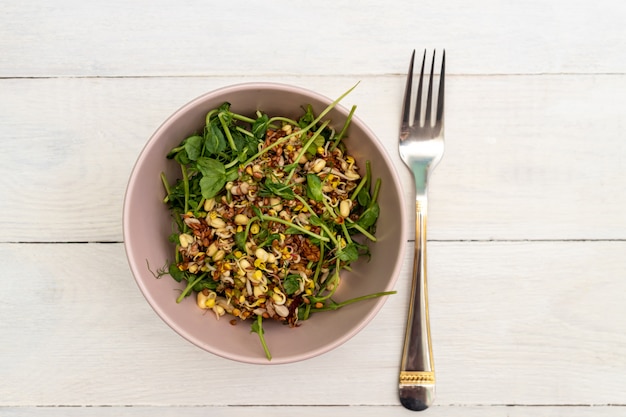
(441, 88)
(429, 98)
(406, 105)
(418, 101)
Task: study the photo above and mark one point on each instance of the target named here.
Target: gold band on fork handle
(417, 369)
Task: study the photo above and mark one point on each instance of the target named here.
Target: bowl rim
(135, 268)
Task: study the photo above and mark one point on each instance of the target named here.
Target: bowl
(147, 223)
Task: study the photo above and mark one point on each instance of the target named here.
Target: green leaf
(349, 253)
(193, 146)
(257, 212)
(243, 155)
(369, 216)
(315, 221)
(364, 250)
(210, 167)
(307, 118)
(173, 238)
(211, 186)
(205, 283)
(268, 239)
(364, 197)
(260, 125)
(224, 107)
(215, 142)
(263, 233)
(176, 273)
(232, 175)
(277, 189)
(182, 157)
(257, 328)
(226, 114)
(213, 176)
(291, 283)
(317, 142)
(238, 138)
(240, 240)
(252, 145)
(314, 187)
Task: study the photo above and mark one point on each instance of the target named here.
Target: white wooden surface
(527, 225)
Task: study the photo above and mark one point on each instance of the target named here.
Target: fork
(421, 148)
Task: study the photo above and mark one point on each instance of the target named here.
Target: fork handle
(417, 370)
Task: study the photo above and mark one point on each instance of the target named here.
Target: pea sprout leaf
(238, 138)
(364, 197)
(213, 176)
(315, 221)
(307, 118)
(257, 212)
(176, 273)
(291, 283)
(214, 142)
(314, 187)
(224, 107)
(369, 216)
(240, 240)
(181, 157)
(317, 142)
(277, 189)
(226, 114)
(205, 283)
(211, 186)
(260, 125)
(210, 167)
(232, 175)
(193, 147)
(257, 327)
(267, 240)
(349, 253)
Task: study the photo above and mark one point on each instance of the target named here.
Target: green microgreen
(257, 327)
(277, 189)
(314, 187)
(223, 118)
(344, 130)
(291, 283)
(335, 306)
(183, 169)
(306, 147)
(296, 227)
(190, 285)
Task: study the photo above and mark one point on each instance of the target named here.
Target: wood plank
(304, 411)
(525, 158)
(514, 323)
(120, 38)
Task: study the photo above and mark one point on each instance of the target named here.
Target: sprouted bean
(267, 210)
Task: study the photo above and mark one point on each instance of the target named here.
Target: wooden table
(527, 234)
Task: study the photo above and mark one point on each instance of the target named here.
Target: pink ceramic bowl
(147, 225)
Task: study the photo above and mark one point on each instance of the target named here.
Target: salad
(268, 211)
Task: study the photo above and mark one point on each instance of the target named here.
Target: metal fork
(421, 148)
